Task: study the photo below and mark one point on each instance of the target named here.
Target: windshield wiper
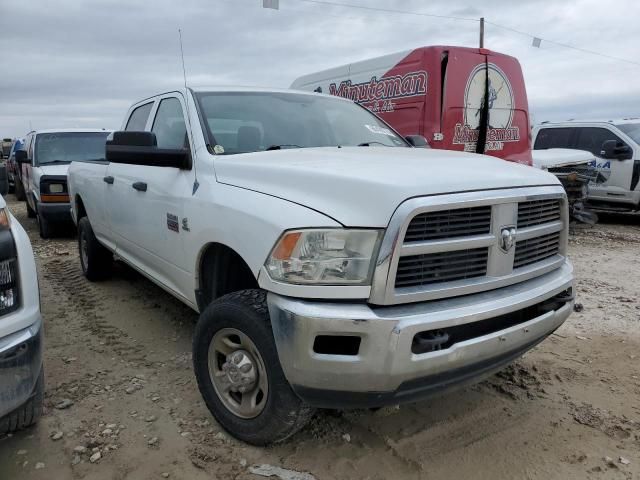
(368, 144)
(284, 145)
(55, 161)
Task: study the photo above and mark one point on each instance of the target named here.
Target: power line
(467, 19)
(565, 45)
(388, 10)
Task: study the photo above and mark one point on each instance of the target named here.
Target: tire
(19, 189)
(44, 226)
(27, 414)
(97, 261)
(282, 413)
(31, 213)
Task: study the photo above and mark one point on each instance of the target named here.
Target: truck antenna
(184, 71)
(196, 184)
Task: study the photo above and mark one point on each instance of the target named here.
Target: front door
(154, 224)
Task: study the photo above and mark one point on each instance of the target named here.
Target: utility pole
(481, 32)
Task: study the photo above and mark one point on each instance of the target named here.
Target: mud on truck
(333, 265)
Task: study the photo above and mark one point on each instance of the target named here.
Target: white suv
(616, 146)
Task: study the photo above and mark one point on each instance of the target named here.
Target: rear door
(485, 108)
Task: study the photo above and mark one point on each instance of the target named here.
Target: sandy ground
(120, 352)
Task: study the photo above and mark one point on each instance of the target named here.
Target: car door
(122, 215)
(155, 198)
(27, 172)
(618, 173)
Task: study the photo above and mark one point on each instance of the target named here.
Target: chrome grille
(536, 249)
(443, 246)
(537, 212)
(449, 223)
(441, 267)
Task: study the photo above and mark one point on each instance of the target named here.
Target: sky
(82, 63)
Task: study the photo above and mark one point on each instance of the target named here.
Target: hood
(54, 169)
(560, 157)
(362, 186)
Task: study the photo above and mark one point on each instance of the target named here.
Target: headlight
(5, 219)
(324, 257)
(56, 188)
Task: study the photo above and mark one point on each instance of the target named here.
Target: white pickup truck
(333, 264)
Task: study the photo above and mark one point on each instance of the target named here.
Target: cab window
(138, 119)
(554, 138)
(592, 138)
(169, 125)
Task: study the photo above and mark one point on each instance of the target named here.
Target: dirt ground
(119, 352)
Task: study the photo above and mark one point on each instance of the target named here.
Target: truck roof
(237, 88)
(619, 121)
(69, 130)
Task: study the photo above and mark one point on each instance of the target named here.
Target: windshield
(245, 122)
(631, 129)
(67, 147)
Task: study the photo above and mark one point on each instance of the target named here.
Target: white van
(616, 146)
(44, 164)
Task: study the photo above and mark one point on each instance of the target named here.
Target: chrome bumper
(385, 370)
(20, 366)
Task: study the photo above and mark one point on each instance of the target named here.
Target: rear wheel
(239, 374)
(95, 259)
(27, 414)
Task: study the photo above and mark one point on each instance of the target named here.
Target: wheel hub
(240, 371)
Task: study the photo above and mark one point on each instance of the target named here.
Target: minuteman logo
(378, 94)
(501, 104)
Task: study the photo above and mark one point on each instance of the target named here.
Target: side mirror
(612, 149)
(141, 148)
(417, 141)
(21, 156)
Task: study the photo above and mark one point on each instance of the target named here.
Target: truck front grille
(441, 267)
(536, 249)
(464, 243)
(449, 223)
(538, 212)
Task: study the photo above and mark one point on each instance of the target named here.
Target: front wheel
(19, 190)
(239, 374)
(31, 213)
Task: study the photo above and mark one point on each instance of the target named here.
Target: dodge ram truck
(333, 264)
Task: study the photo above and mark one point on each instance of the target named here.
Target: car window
(592, 138)
(631, 129)
(554, 138)
(138, 119)
(245, 122)
(169, 125)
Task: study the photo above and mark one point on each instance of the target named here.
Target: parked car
(21, 332)
(576, 172)
(333, 264)
(6, 147)
(616, 146)
(12, 167)
(44, 164)
(466, 99)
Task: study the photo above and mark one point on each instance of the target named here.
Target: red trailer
(458, 98)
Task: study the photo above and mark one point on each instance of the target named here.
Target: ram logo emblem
(507, 238)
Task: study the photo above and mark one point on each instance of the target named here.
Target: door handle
(108, 180)
(140, 186)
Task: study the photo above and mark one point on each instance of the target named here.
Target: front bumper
(55, 212)
(385, 370)
(20, 366)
